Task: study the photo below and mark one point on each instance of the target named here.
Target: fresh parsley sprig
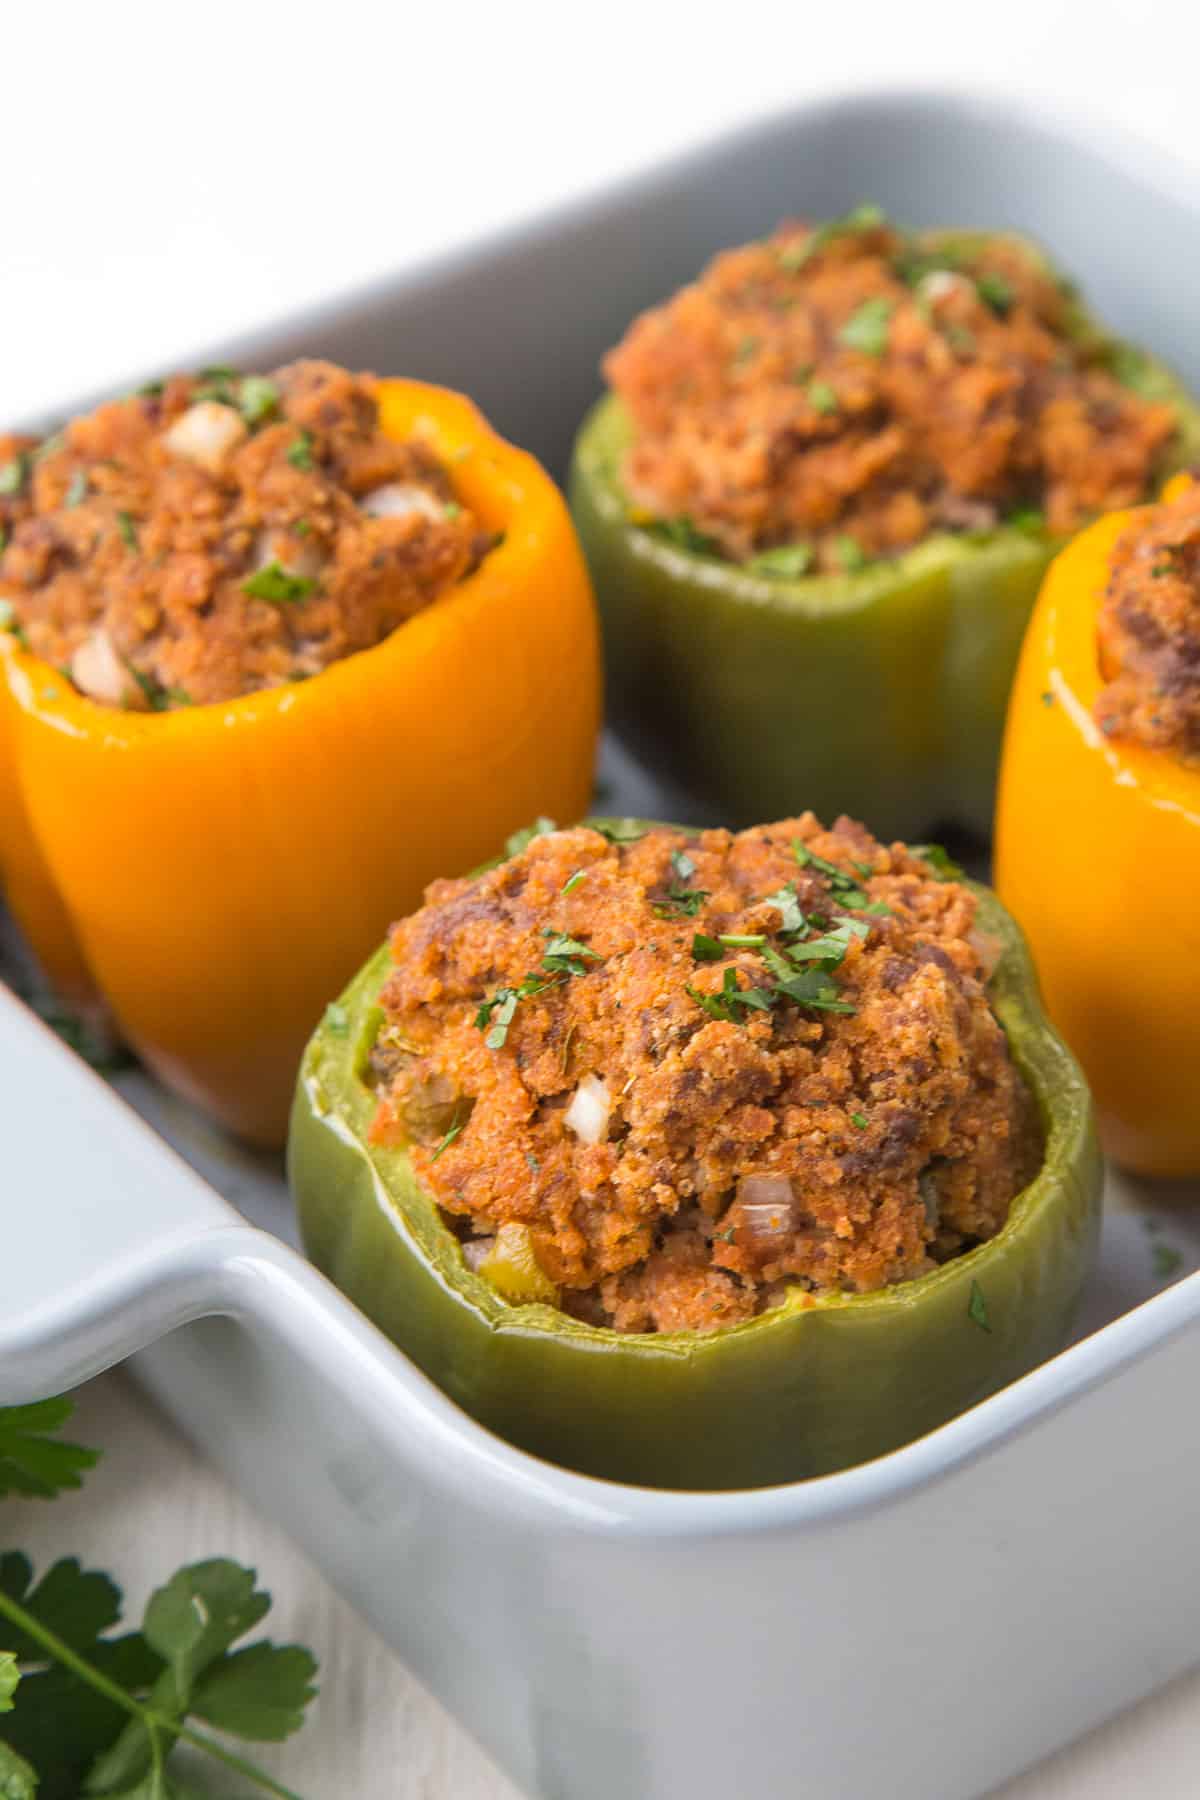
(90, 1713)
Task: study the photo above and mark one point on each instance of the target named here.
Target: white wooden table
(171, 182)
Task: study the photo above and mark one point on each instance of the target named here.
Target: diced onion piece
(988, 948)
(397, 499)
(764, 1208)
(206, 434)
(476, 1251)
(939, 284)
(98, 672)
(588, 1114)
(304, 559)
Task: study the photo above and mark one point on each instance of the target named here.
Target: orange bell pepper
(1098, 856)
(217, 872)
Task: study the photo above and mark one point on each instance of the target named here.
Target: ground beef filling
(591, 1048)
(217, 534)
(837, 393)
(1149, 631)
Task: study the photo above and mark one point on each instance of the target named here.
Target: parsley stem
(154, 1722)
(201, 1741)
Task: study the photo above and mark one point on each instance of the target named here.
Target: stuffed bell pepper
(1098, 825)
(276, 650)
(699, 1159)
(819, 499)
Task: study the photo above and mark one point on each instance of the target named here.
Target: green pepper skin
(880, 693)
(802, 1390)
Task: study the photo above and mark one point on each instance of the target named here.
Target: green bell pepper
(809, 1387)
(879, 693)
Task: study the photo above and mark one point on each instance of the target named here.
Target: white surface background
(175, 174)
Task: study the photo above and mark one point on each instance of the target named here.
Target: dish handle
(107, 1238)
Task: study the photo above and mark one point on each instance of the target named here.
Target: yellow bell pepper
(1098, 856)
(217, 872)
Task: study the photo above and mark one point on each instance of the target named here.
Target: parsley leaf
(821, 397)
(277, 584)
(867, 327)
(996, 291)
(684, 535)
(300, 453)
(257, 398)
(520, 840)
(788, 906)
(77, 492)
(620, 831)
(34, 1462)
(128, 530)
(865, 217)
(13, 474)
(573, 881)
(566, 955)
(787, 562)
(940, 864)
(706, 949)
(977, 1308)
(682, 864)
(683, 902)
(9, 1677)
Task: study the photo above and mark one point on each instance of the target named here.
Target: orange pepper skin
(225, 868)
(1098, 856)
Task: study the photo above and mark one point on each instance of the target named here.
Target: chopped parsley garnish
(867, 327)
(977, 1308)
(733, 1002)
(257, 399)
(682, 902)
(684, 535)
(562, 958)
(454, 1132)
(1166, 567)
(128, 530)
(13, 474)
(996, 291)
(1027, 518)
(682, 864)
(573, 881)
(788, 906)
(859, 1121)
(3, 537)
(822, 397)
(940, 864)
(620, 831)
(451, 510)
(706, 949)
(850, 553)
(565, 955)
(742, 940)
(300, 453)
(533, 1162)
(278, 585)
(149, 390)
(860, 218)
(336, 1020)
(1127, 365)
(157, 696)
(520, 840)
(788, 561)
(77, 491)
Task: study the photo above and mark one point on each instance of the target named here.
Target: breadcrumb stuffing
(679, 1156)
(216, 534)
(1149, 631)
(850, 390)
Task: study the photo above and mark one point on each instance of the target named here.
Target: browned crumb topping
(217, 534)
(846, 390)
(681, 1124)
(1148, 631)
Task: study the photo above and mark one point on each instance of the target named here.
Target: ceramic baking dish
(922, 1626)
